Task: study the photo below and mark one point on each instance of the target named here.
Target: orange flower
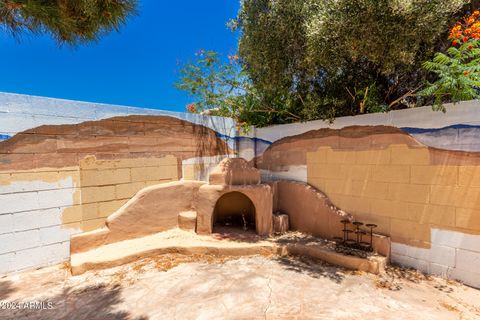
(466, 73)
(191, 107)
(468, 28)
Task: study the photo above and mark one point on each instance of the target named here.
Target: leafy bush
(328, 58)
(458, 70)
(223, 89)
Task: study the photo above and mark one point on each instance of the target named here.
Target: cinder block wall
(66, 165)
(415, 173)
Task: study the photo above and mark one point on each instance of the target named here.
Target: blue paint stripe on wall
(240, 138)
(427, 130)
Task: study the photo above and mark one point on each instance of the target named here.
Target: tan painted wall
(106, 185)
(403, 189)
(67, 176)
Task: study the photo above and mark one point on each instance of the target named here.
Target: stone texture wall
(412, 199)
(66, 165)
(415, 173)
(106, 185)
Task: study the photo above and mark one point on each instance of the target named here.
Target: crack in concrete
(269, 295)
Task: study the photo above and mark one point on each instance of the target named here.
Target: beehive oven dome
(234, 171)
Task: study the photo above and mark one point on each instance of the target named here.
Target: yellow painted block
(445, 195)
(170, 172)
(434, 175)
(155, 162)
(91, 163)
(77, 196)
(327, 171)
(189, 172)
(462, 197)
(107, 208)
(370, 189)
(314, 171)
(73, 225)
(374, 157)
(89, 211)
(144, 174)
(391, 173)
(72, 214)
(409, 230)
(33, 176)
(104, 177)
(469, 176)
(154, 173)
(389, 208)
(5, 178)
(98, 194)
(350, 204)
(126, 191)
(90, 225)
(403, 154)
(432, 214)
(319, 156)
(341, 157)
(357, 172)
(317, 183)
(468, 219)
(409, 192)
(42, 175)
(338, 186)
(468, 197)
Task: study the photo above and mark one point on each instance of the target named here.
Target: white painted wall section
(452, 254)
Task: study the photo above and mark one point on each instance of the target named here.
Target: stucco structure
(65, 166)
(412, 172)
(157, 208)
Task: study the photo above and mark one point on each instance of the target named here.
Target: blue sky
(135, 67)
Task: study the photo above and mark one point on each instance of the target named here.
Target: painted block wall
(415, 173)
(66, 165)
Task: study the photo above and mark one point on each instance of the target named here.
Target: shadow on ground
(6, 289)
(313, 267)
(89, 303)
(236, 234)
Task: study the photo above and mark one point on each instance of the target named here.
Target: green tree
(457, 70)
(328, 58)
(222, 88)
(67, 21)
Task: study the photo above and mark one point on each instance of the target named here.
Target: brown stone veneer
(60, 146)
(292, 151)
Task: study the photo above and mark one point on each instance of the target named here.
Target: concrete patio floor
(173, 286)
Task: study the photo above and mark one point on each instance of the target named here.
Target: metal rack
(357, 246)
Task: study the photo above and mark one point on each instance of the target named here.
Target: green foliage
(320, 59)
(389, 34)
(223, 89)
(458, 74)
(214, 85)
(68, 21)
